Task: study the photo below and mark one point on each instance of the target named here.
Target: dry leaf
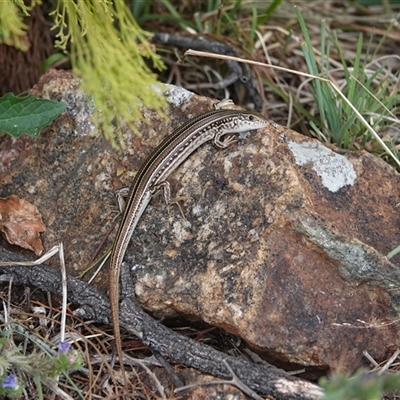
(21, 223)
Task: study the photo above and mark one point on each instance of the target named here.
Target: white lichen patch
(197, 210)
(335, 170)
(177, 96)
(180, 232)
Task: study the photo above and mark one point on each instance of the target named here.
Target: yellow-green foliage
(12, 27)
(107, 51)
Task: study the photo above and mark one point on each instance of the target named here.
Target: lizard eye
(251, 117)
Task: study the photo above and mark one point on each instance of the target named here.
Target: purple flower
(63, 347)
(10, 382)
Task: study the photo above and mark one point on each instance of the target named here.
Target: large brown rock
(284, 246)
(283, 241)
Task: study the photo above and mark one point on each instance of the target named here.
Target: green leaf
(51, 61)
(27, 115)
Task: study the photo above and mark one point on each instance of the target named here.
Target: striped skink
(151, 176)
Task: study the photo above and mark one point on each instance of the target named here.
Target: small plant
(107, 49)
(371, 91)
(363, 385)
(11, 386)
(44, 368)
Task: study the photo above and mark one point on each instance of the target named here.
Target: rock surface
(283, 242)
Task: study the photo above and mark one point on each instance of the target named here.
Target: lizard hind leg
(165, 188)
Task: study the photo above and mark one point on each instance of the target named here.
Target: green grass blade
(175, 15)
(393, 252)
(311, 62)
(267, 13)
(355, 73)
(253, 24)
(232, 13)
